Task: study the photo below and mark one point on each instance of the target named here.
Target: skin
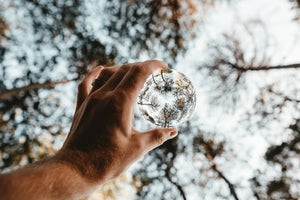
(101, 144)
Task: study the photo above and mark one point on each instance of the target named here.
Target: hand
(102, 142)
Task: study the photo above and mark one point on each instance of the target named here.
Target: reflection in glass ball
(167, 98)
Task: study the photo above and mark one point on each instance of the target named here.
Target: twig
(154, 81)
(161, 74)
(145, 104)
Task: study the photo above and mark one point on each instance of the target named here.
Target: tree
(231, 63)
(152, 26)
(236, 55)
(284, 186)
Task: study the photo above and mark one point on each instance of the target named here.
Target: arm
(102, 142)
(46, 179)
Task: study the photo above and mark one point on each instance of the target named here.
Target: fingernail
(173, 134)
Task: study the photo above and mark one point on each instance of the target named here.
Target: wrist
(68, 180)
(89, 167)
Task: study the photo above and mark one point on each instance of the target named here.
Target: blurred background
(242, 56)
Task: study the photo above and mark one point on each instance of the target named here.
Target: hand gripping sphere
(167, 98)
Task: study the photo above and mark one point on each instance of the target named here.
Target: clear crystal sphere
(167, 98)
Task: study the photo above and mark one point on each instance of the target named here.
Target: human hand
(102, 142)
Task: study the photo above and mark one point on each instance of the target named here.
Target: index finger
(135, 78)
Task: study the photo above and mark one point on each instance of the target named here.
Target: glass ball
(167, 99)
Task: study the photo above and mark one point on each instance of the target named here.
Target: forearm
(46, 179)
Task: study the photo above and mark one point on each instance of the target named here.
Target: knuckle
(153, 61)
(158, 137)
(82, 85)
(138, 69)
(90, 73)
(104, 73)
(125, 67)
(156, 62)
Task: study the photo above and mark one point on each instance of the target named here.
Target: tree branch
(286, 98)
(230, 185)
(209, 155)
(168, 175)
(290, 99)
(14, 92)
(261, 68)
(291, 66)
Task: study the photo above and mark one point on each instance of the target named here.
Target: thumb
(157, 137)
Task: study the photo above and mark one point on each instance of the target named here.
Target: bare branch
(14, 92)
(261, 68)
